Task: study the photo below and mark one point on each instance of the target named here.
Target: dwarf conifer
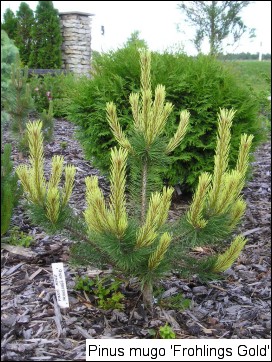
(136, 237)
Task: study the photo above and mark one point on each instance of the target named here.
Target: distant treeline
(244, 56)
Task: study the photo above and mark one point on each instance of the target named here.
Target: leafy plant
(105, 291)
(166, 332)
(60, 86)
(19, 238)
(63, 145)
(177, 302)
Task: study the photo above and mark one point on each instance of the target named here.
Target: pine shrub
(19, 103)
(135, 237)
(10, 191)
(201, 85)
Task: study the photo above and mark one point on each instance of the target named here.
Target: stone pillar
(76, 45)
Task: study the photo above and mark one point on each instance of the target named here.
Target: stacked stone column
(76, 45)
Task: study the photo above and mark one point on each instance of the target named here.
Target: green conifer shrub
(9, 52)
(201, 85)
(19, 103)
(10, 191)
(47, 200)
(142, 244)
(23, 38)
(9, 24)
(46, 47)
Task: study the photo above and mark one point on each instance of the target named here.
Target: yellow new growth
(195, 213)
(180, 133)
(225, 260)
(35, 142)
(118, 215)
(57, 166)
(157, 214)
(225, 118)
(229, 193)
(70, 172)
(115, 126)
(157, 256)
(236, 212)
(53, 204)
(98, 217)
(96, 214)
(40, 192)
(149, 116)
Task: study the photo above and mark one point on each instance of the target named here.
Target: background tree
(46, 34)
(9, 52)
(9, 24)
(23, 39)
(215, 20)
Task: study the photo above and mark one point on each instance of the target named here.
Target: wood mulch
(35, 328)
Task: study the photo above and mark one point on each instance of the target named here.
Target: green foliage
(60, 87)
(9, 24)
(105, 291)
(63, 145)
(176, 301)
(137, 244)
(46, 49)
(19, 238)
(48, 122)
(201, 85)
(9, 52)
(19, 103)
(166, 332)
(23, 38)
(10, 191)
(215, 21)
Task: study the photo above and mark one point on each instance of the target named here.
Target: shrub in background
(201, 85)
(47, 40)
(10, 191)
(9, 52)
(60, 86)
(9, 24)
(23, 38)
(19, 103)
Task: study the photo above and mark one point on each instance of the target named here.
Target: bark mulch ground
(35, 328)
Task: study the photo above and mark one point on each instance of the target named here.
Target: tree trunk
(148, 295)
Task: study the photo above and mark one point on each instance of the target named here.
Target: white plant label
(60, 285)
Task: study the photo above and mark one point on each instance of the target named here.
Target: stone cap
(75, 13)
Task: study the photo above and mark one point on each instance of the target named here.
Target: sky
(157, 23)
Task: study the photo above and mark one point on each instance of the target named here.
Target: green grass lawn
(253, 73)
